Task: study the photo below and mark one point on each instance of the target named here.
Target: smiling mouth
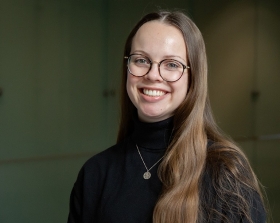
(153, 93)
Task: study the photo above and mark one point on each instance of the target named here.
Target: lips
(153, 93)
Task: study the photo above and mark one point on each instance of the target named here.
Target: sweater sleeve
(76, 201)
(85, 195)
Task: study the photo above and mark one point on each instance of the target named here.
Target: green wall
(242, 40)
(60, 73)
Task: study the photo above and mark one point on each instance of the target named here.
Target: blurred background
(60, 66)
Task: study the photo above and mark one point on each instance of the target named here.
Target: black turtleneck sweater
(110, 187)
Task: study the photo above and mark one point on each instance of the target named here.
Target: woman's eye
(172, 65)
(141, 61)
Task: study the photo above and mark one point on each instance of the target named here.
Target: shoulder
(228, 160)
(229, 177)
(93, 173)
(97, 167)
(106, 158)
(228, 168)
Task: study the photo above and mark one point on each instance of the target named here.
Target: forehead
(159, 37)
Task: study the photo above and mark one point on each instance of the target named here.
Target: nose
(154, 74)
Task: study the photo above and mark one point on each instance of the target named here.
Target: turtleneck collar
(155, 136)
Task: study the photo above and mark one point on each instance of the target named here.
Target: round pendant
(147, 175)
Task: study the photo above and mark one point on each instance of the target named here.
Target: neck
(156, 135)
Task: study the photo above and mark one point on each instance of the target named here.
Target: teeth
(153, 93)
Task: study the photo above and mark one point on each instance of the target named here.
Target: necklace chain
(147, 175)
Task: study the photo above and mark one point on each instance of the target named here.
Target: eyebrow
(166, 56)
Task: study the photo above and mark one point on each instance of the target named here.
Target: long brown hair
(198, 148)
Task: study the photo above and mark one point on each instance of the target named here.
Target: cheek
(180, 92)
(129, 87)
(182, 86)
(131, 82)
(187, 83)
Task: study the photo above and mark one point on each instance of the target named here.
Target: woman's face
(154, 98)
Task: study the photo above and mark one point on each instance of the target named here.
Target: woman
(170, 163)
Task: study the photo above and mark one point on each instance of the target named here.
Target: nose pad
(154, 73)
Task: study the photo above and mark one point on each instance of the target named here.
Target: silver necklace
(147, 175)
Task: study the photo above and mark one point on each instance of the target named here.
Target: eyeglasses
(170, 70)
